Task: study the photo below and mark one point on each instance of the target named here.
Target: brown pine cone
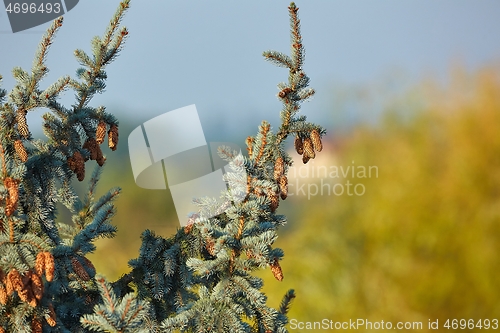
(95, 151)
(22, 125)
(299, 146)
(316, 140)
(79, 269)
(77, 164)
(49, 266)
(100, 132)
(276, 269)
(12, 186)
(308, 148)
(113, 137)
(20, 150)
(283, 187)
(279, 168)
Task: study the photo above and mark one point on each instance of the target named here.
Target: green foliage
(124, 314)
(200, 279)
(46, 282)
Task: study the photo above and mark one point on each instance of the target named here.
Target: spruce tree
(198, 280)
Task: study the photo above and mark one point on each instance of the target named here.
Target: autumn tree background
(421, 243)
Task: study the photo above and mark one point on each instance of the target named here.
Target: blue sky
(208, 53)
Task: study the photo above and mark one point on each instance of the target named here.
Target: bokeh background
(411, 89)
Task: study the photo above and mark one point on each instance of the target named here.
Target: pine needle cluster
(200, 279)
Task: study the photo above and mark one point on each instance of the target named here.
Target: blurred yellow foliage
(423, 241)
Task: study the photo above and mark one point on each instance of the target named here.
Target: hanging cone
(22, 125)
(77, 164)
(279, 168)
(308, 148)
(3, 295)
(40, 263)
(299, 146)
(36, 325)
(79, 269)
(14, 280)
(100, 132)
(49, 266)
(12, 186)
(36, 285)
(51, 319)
(284, 187)
(316, 140)
(113, 137)
(276, 269)
(20, 150)
(95, 151)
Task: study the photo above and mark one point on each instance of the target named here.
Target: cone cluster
(95, 151)
(12, 186)
(29, 286)
(44, 263)
(307, 147)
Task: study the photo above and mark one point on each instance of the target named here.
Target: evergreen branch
(125, 315)
(279, 59)
(38, 64)
(115, 21)
(103, 55)
(287, 300)
(297, 49)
